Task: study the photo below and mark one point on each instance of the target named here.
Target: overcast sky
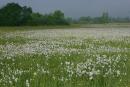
(77, 8)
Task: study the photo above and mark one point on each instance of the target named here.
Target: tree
(26, 15)
(58, 18)
(87, 19)
(9, 14)
(14, 15)
(104, 17)
(37, 19)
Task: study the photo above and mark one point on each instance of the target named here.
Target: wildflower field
(82, 57)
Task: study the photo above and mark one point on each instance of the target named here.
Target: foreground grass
(63, 61)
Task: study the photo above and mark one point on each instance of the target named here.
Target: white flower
(118, 72)
(34, 73)
(91, 77)
(27, 83)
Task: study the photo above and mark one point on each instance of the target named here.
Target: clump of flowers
(103, 66)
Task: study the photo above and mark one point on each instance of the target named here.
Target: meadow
(74, 57)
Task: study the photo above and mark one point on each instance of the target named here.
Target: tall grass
(66, 60)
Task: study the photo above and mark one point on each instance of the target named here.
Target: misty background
(77, 8)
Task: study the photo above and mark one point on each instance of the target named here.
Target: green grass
(109, 25)
(50, 70)
(15, 40)
(18, 28)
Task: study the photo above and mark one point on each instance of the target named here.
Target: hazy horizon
(77, 8)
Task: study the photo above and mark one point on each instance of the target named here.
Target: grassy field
(72, 26)
(78, 57)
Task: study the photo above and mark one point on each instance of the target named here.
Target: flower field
(82, 57)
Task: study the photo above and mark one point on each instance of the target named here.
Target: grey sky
(77, 8)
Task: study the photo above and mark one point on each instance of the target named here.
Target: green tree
(25, 15)
(36, 19)
(105, 17)
(87, 19)
(58, 18)
(14, 15)
(10, 14)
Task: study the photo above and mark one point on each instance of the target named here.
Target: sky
(77, 8)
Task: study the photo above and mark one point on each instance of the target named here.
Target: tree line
(13, 14)
(104, 18)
